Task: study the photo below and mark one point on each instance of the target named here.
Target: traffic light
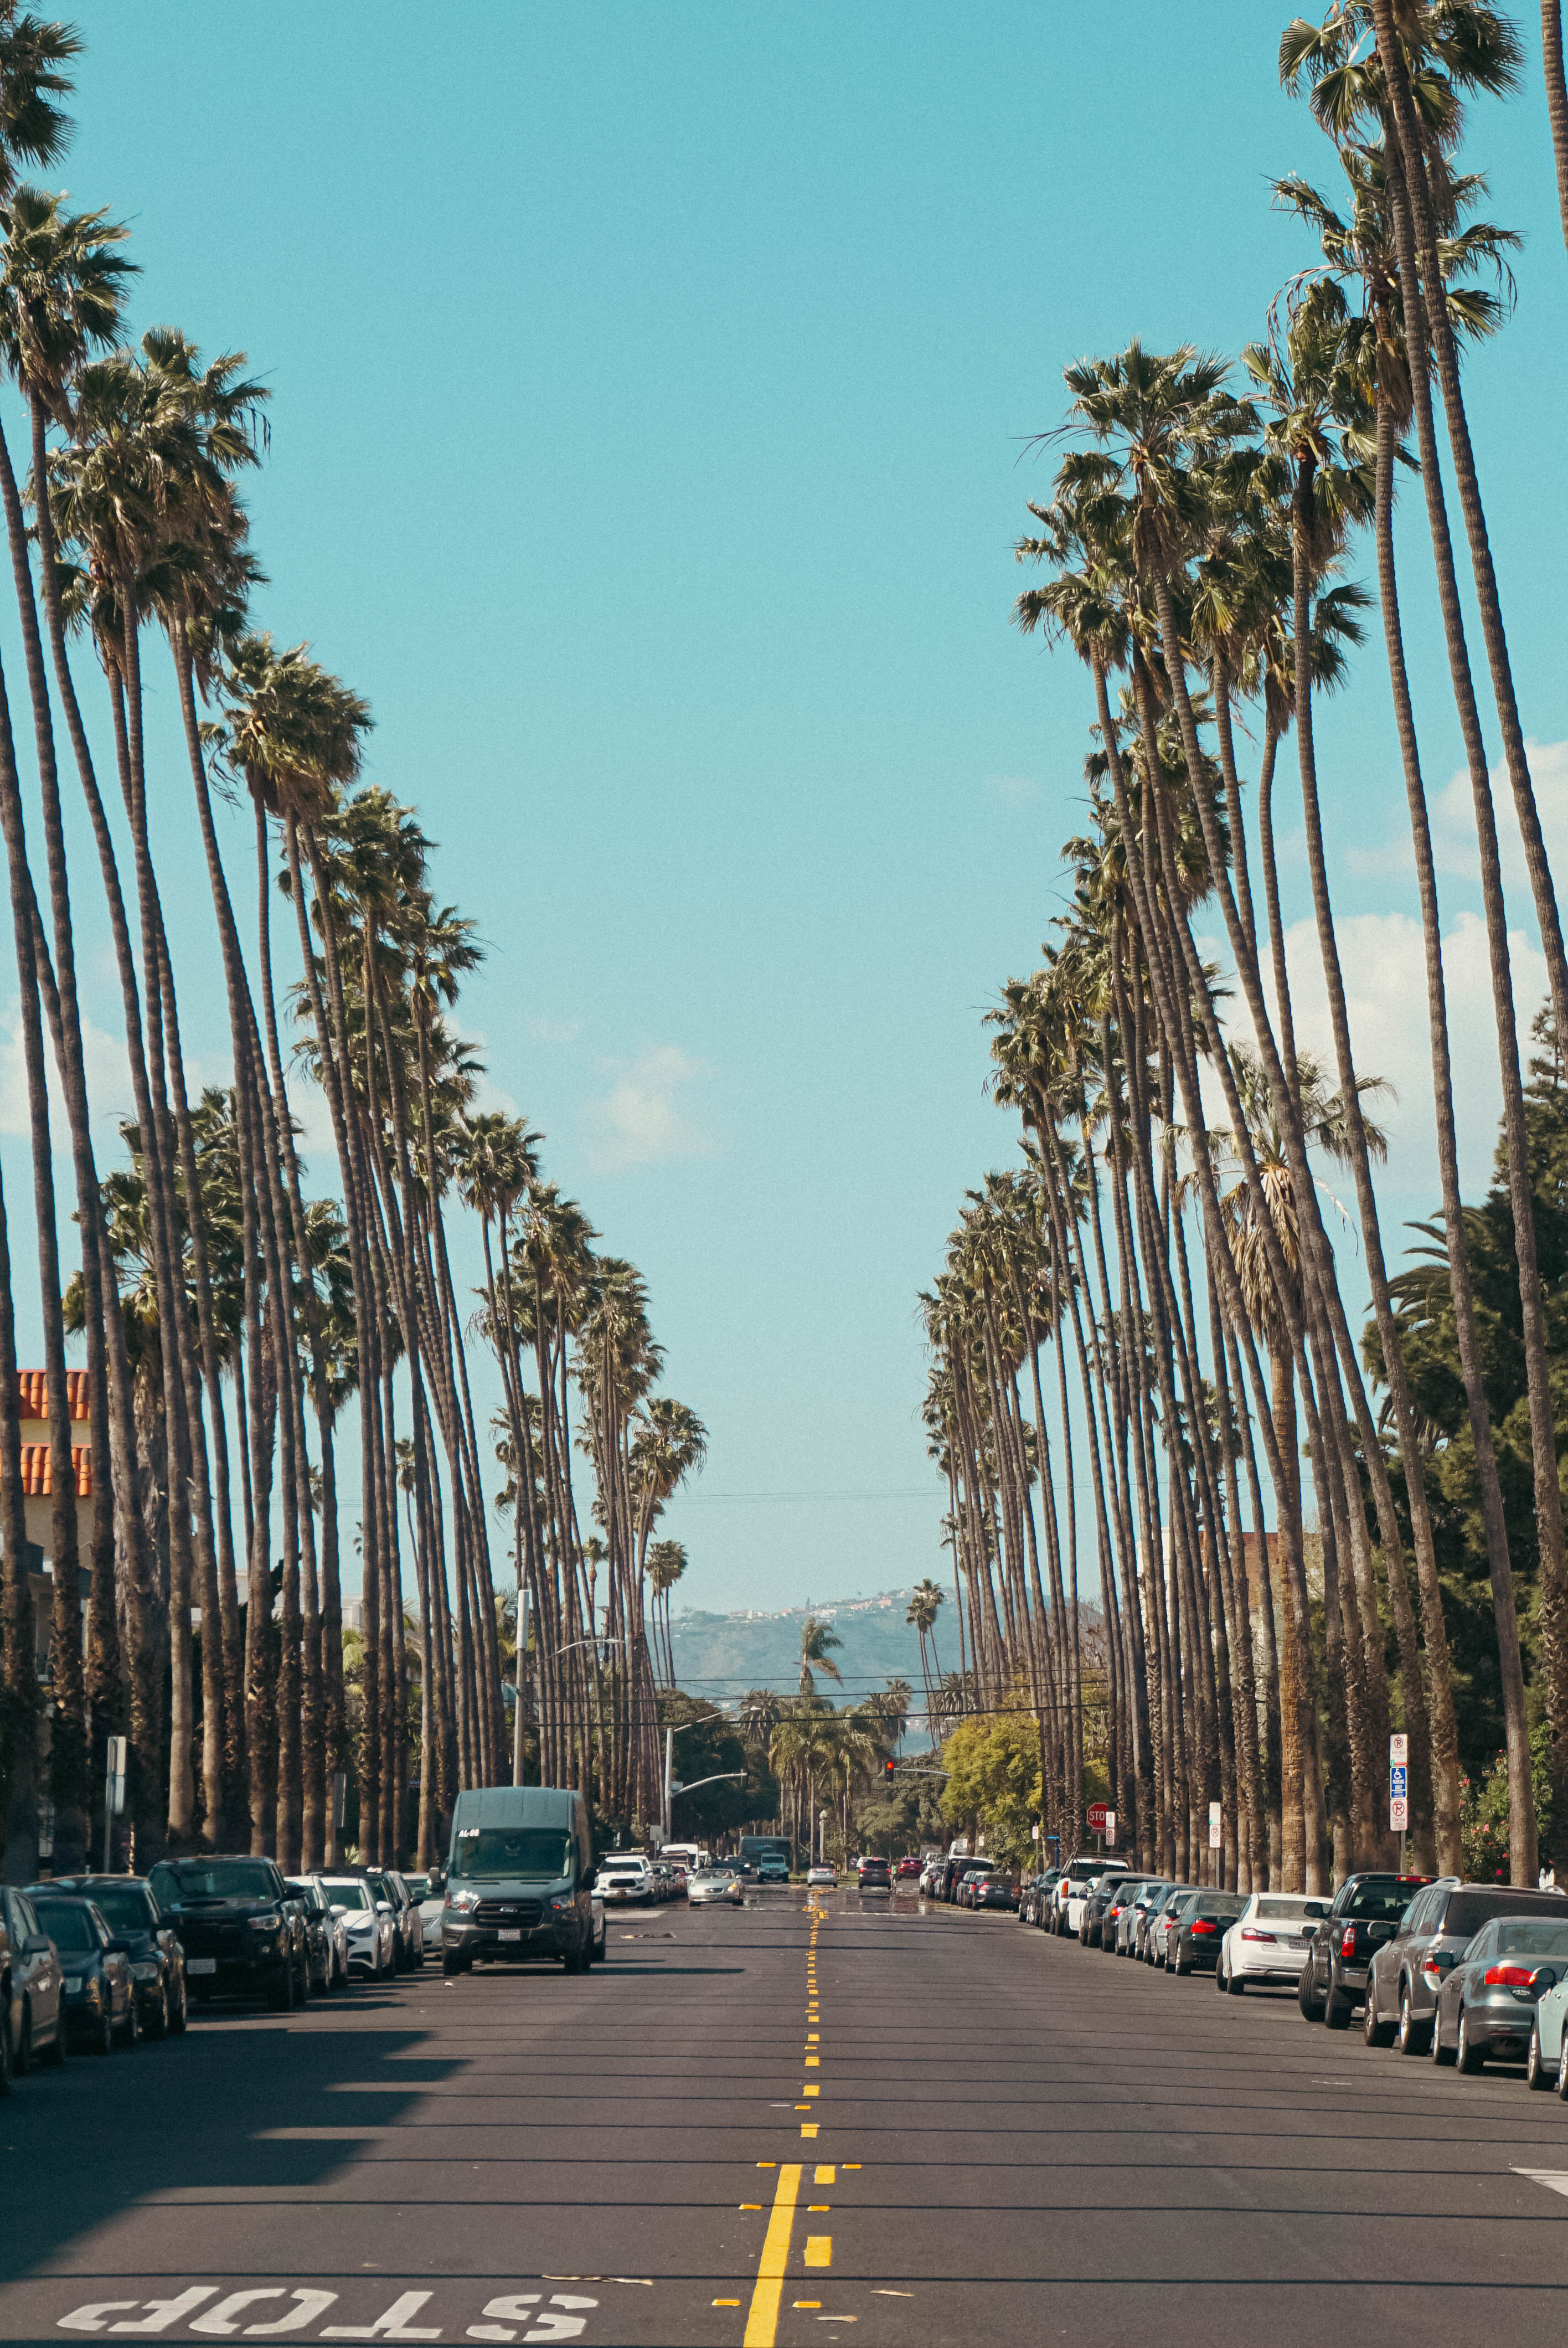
(888, 1767)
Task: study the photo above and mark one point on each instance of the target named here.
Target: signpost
(1097, 1818)
(114, 1790)
(1213, 1826)
(1110, 1830)
(1399, 1791)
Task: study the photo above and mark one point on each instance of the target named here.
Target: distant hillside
(721, 1655)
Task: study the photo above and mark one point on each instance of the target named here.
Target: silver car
(1407, 1973)
(714, 1883)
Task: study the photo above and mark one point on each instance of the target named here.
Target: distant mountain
(721, 1655)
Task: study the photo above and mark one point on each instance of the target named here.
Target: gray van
(519, 1880)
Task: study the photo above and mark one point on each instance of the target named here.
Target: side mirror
(1379, 1932)
(336, 1911)
(436, 1880)
(119, 1948)
(1310, 1931)
(384, 1907)
(1315, 1908)
(37, 1944)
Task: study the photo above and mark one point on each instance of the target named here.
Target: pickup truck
(1365, 1912)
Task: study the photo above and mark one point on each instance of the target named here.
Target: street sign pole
(1400, 1790)
(114, 1791)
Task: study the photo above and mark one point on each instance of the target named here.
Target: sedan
(823, 1878)
(101, 1990)
(995, 1889)
(1267, 1942)
(371, 1926)
(1197, 1928)
(1160, 1918)
(148, 1937)
(1133, 1921)
(1486, 2006)
(327, 1934)
(427, 1892)
(1117, 1897)
(710, 1884)
(33, 2013)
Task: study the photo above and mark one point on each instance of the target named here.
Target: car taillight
(1347, 1943)
(1251, 1932)
(1202, 1925)
(1507, 1977)
(1433, 1969)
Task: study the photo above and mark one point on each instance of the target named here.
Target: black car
(1365, 1912)
(874, 1875)
(32, 1989)
(129, 1909)
(100, 1991)
(242, 1929)
(995, 1888)
(1193, 1942)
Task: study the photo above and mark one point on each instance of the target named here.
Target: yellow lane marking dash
(827, 2174)
(819, 2249)
(763, 2317)
(807, 2128)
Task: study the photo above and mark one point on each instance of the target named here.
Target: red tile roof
(33, 1387)
(36, 1481)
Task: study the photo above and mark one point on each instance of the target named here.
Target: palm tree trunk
(1556, 99)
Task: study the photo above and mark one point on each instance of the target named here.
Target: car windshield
(309, 1894)
(1533, 1938)
(349, 1895)
(1281, 1911)
(125, 1908)
(220, 1878)
(543, 1852)
(68, 1926)
(418, 1886)
(1382, 1901)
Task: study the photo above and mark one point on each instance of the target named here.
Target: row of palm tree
(229, 1318)
(1168, 1248)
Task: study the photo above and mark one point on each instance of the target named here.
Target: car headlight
(462, 1900)
(71, 1982)
(147, 1971)
(271, 1923)
(563, 1902)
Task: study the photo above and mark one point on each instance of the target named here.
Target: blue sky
(651, 394)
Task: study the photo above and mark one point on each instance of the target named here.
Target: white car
(712, 1884)
(1075, 1887)
(626, 1882)
(370, 1924)
(823, 1877)
(1267, 1942)
(431, 1901)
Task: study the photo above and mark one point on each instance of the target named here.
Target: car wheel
(158, 2025)
(1536, 2074)
(22, 2059)
(1375, 2032)
(131, 2029)
(451, 1962)
(1311, 2007)
(181, 2012)
(1337, 2010)
(6, 2056)
(1562, 2069)
(1235, 1983)
(1178, 1964)
(1408, 2036)
(58, 2048)
(281, 1995)
(103, 2035)
(1437, 2051)
(1469, 2057)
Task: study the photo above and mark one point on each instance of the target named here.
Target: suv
(773, 1868)
(240, 1927)
(625, 1877)
(1366, 1912)
(873, 1874)
(1408, 1970)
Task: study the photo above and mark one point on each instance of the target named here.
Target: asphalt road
(753, 2124)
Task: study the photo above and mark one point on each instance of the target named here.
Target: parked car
(1487, 2005)
(1267, 1943)
(242, 1930)
(1197, 1928)
(1160, 1916)
(666, 1886)
(906, 1871)
(1365, 1912)
(1097, 1908)
(964, 1889)
(32, 1989)
(427, 1893)
(1078, 1880)
(127, 1906)
(1407, 1973)
(716, 1883)
(1132, 1923)
(327, 1934)
(369, 1927)
(824, 1879)
(99, 1988)
(1546, 2056)
(995, 1889)
(1035, 1906)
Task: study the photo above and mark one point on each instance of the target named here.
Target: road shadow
(80, 2146)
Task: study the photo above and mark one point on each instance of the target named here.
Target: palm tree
(666, 1564)
(818, 1639)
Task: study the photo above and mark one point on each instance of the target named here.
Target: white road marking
(1554, 2180)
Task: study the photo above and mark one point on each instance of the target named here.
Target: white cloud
(1452, 816)
(1383, 961)
(108, 1089)
(540, 1029)
(643, 1119)
(1012, 790)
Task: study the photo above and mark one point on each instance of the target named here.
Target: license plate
(508, 1933)
(200, 1964)
(1294, 1941)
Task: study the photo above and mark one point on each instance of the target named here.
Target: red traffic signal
(888, 1767)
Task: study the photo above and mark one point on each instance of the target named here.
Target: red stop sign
(1097, 1814)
